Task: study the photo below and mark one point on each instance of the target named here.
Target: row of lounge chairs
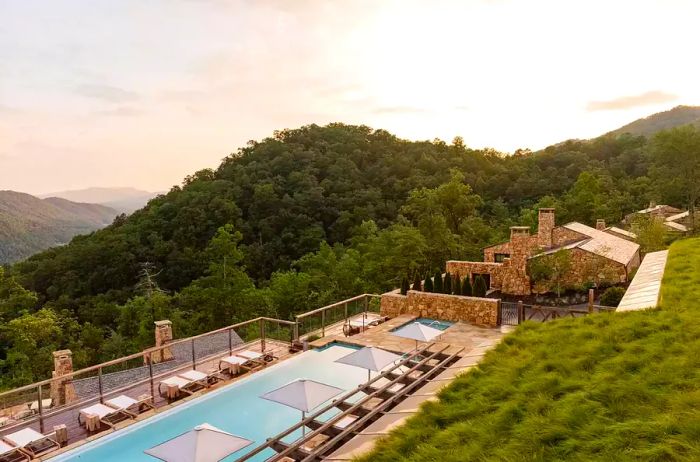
(356, 326)
(28, 443)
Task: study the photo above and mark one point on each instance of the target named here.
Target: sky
(142, 93)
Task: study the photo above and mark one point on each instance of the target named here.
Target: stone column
(164, 335)
(62, 390)
(600, 224)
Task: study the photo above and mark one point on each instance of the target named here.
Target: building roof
(676, 226)
(604, 244)
(678, 216)
(622, 232)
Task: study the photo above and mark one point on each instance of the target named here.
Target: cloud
(107, 93)
(398, 110)
(626, 102)
(122, 111)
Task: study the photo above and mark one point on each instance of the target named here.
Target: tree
(456, 285)
(551, 269)
(428, 284)
(404, 285)
(651, 233)
(417, 283)
(437, 282)
(447, 284)
(467, 290)
(676, 154)
(480, 288)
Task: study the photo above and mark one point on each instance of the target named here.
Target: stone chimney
(600, 224)
(62, 390)
(545, 227)
(652, 204)
(164, 335)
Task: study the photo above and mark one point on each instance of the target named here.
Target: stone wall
(470, 268)
(473, 310)
(490, 252)
(587, 267)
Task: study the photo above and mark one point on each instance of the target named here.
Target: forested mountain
(124, 200)
(303, 218)
(29, 224)
(648, 126)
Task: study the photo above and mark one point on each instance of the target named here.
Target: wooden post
(262, 335)
(41, 410)
(296, 330)
(150, 376)
(591, 299)
(521, 311)
(499, 313)
(99, 384)
(346, 311)
(323, 323)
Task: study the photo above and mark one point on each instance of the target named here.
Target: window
(500, 257)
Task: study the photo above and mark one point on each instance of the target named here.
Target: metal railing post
(194, 360)
(230, 342)
(262, 335)
(41, 409)
(366, 304)
(99, 384)
(521, 312)
(296, 329)
(323, 323)
(346, 311)
(150, 375)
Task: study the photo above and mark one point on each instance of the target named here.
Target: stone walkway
(644, 290)
(476, 341)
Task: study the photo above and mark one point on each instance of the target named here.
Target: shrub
(612, 296)
(479, 287)
(417, 283)
(428, 285)
(404, 286)
(437, 282)
(447, 285)
(457, 285)
(467, 287)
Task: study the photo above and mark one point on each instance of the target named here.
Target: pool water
(236, 408)
(434, 323)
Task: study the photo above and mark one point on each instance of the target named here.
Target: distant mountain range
(29, 224)
(648, 126)
(125, 200)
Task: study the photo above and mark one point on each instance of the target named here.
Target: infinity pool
(235, 408)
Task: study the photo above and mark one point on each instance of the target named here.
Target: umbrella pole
(369, 375)
(303, 427)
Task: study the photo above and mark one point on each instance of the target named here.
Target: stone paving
(644, 290)
(476, 341)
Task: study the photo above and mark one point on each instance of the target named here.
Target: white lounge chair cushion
(194, 376)
(176, 382)
(45, 403)
(5, 448)
(249, 354)
(345, 421)
(24, 437)
(121, 402)
(234, 360)
(99, 409)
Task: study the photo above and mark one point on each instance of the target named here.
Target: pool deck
(477, 341)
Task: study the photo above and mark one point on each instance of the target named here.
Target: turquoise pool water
(435, 323)
(236, 408)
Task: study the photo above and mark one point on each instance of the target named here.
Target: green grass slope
(614, 387)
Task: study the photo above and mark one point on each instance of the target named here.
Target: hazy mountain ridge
(125, 200)
(648, 126)
(29, 224)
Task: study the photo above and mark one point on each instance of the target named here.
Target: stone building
(593, 252)
(675, 220)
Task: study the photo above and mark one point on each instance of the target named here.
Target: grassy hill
(29, 224)
(648, 126)
(618, 386)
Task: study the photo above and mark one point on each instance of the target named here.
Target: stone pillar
(545, 227)
(515, 278)
(600, 224)
(164, 335)
(62, 390)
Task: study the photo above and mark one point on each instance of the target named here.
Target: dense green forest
(306, 217)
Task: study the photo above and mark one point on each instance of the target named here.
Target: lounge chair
(32, 442)
(206, 378)
(187, 382)
(90, 416)
(130, 405)
(251, 355)
(233, 364)
(11, 453)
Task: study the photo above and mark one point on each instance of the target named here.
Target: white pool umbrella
(418, 332)
(370, 358)
(204, 443)
(302, 394)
